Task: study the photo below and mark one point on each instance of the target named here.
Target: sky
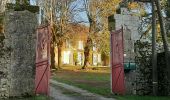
(32, 2)
(81, 16)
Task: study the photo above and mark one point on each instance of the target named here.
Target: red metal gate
(117, 58)
(42, 60)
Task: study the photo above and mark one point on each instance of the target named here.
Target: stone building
(73, 49)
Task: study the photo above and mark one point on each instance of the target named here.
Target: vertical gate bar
(111, 59)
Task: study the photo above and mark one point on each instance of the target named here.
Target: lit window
(80, 45)
(80, 58)
(68, 44)
(99, 58)
(95, 59)
(94, 48)
(66, 57)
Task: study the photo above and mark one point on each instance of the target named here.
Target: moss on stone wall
(1, 23)
(18, 7)
(19, 52)
(24, 2)
(1, 28)
(1, 17)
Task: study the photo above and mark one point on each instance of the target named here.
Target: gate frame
(111, 58)
(43, 62)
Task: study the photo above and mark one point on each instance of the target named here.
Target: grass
(40, 97)
(141, 98)
(85, 79)
(95, 81)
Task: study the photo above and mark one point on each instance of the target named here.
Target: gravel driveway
(62, 91)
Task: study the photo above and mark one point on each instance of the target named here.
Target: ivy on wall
(144, 69)
(163, 85)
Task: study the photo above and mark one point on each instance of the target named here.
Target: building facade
(73, 49)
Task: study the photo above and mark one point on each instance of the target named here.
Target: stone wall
(18, 60)
(4, 86)
(130, 77)
(130, 24)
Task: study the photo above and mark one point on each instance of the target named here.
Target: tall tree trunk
(105, 60)
(88, 44)
(53, 56)
(164, 37)
(59, 57)
(86, 54)
(154, 53)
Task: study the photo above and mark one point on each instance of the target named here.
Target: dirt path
(61, 91)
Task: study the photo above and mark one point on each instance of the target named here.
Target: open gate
(42, 60)
(117, 59)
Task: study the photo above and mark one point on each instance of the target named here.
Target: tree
(159, 6)
(97, 11)
(59, 14)
(164, 37)
(154, 52)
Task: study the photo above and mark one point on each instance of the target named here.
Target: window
(80, 58)
(68, 44)
(66, 57)
(99, 58)
(80, 45)
(94, 48)
(95, 59)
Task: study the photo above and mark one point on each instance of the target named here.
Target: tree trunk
(154, 53)
(164, 37)
(86, 54)
(53, 57)
(105, 60)
(59, 57)
(89, 42)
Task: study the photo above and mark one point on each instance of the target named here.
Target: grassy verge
(84, 79)
(95, 81)
(40, 97)
(141, 98)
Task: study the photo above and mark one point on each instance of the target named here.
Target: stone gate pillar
(19, 44)
(131, 24)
